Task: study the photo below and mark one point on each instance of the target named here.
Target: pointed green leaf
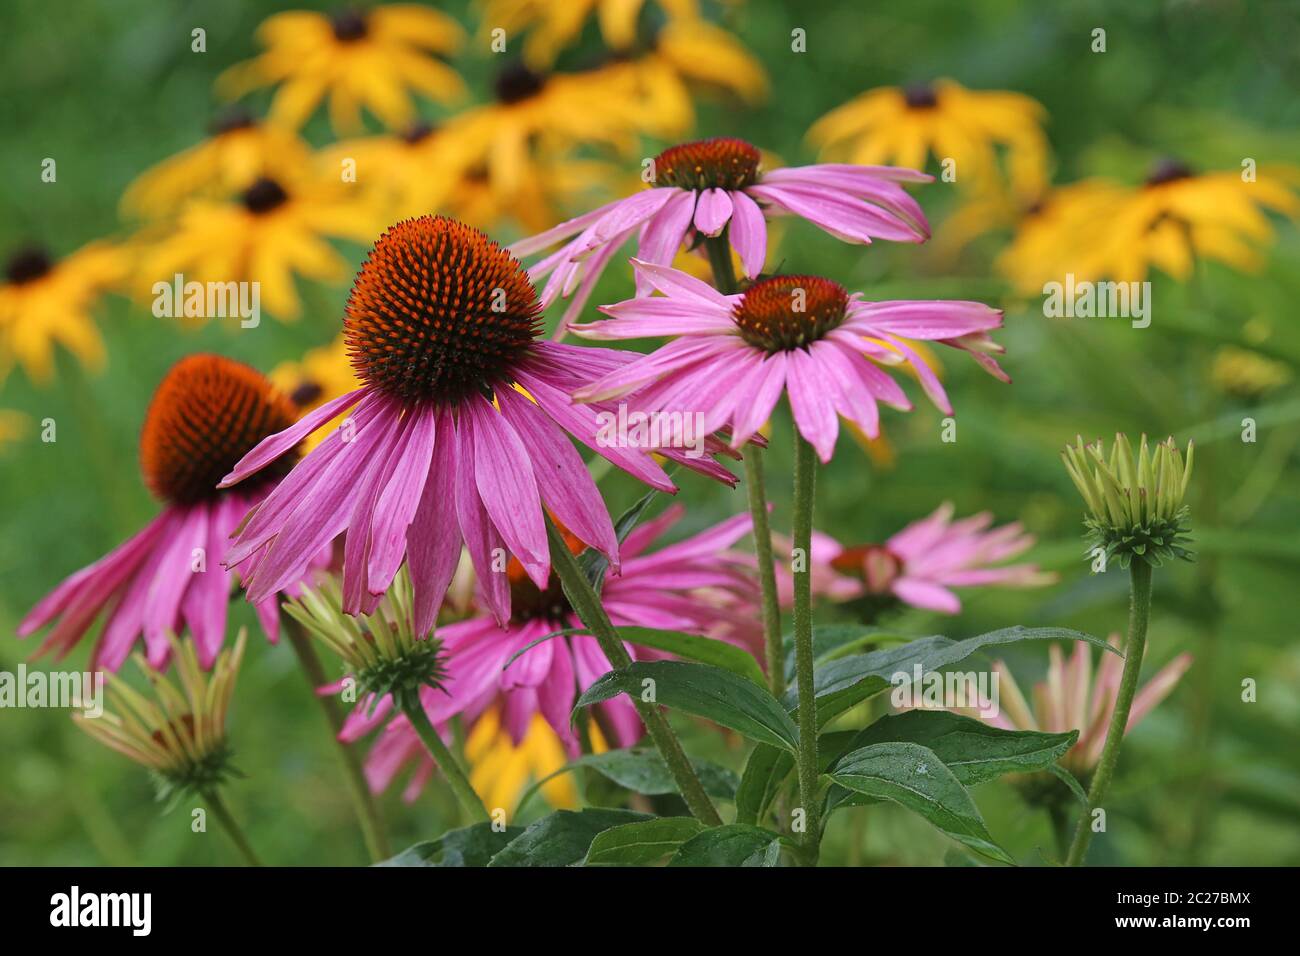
(562, 838)
(643, 771)
(702, 691)
(735, 844)
(469, 846)
(641, 844)
(914, 777)
(704, 650)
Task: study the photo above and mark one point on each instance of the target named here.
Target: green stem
(1138, 614)
(471, 803)
(775, 649)
(222, 813)
(363, 801)
(724, 277)
(586, 603)
(805, 481)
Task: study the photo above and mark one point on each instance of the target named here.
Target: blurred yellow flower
(544, 115)
(44, 301)
(373, 59)
(902, 126)
(404, 174)
(1099, 229)
(684, 55)
(500, 770)
(552, 25)
(271, 233)
(1246, 374)
(239, 150)
(324, 374)
(12, 426)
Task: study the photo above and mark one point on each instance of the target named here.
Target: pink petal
(273, 446)
(748, 234)
(713, 211)
(400, 499)
(664, 234)
(813, 411)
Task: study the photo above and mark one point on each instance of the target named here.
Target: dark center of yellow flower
(517, 83)
(349, 25)
(207, 414)
(306, 393)
(439, 311)
(263, 196)
(789, 312)
(1167, 171)
(28, 265)
(721, 163)
(229, 120)
(418, 133)
(920, 96)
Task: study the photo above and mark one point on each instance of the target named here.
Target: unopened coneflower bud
(1135, 502)
(177, 729)
(381, 649)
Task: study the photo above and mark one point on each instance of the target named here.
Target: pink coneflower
(706, 188)
(459, 434)
(734, 355)
(207, 413)
(697, 586)
(1072, 698)
(922, 563)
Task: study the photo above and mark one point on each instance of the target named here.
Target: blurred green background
(110, 89)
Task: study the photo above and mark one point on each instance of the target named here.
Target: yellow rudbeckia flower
(1100, 229)
(44, 301)
(500, 771)
(903, 126)
(372, 59)
(238, 150)
(271, 233)
(552, 25)
(542, 115)
(323, 375)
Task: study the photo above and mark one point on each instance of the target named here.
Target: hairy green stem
(219, 810)
(586, 603)
(805, 481)
(724, 277)
(1139, 612)
(363, 801)
(470, 802)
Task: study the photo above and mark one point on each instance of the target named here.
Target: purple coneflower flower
(207, 413)
(923, 562)
(735, 355)
(714, 186)
(697, 585)
(459, 434)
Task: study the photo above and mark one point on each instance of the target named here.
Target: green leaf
(644, 771)
(972, 750)
(640, 844)
(769, 767)
(702, 691)
(914, 777)
(469, 846)
(837, 640)
(705, 650)
(1067, 778)
(562, 838)
(765, 771)
(592, 562)
(847, 681)
(735, 844)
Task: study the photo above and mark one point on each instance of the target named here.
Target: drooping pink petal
(748, 234)
(939, 319)
(813, 412)
(503, 473)
(926, 595)
(680, 285)
(713, 211)
(273, 446)
(664, 234)
(173, 576)
(433, 540)
(400, 499)
(483, 542)
(762, 389)
(563, 479)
